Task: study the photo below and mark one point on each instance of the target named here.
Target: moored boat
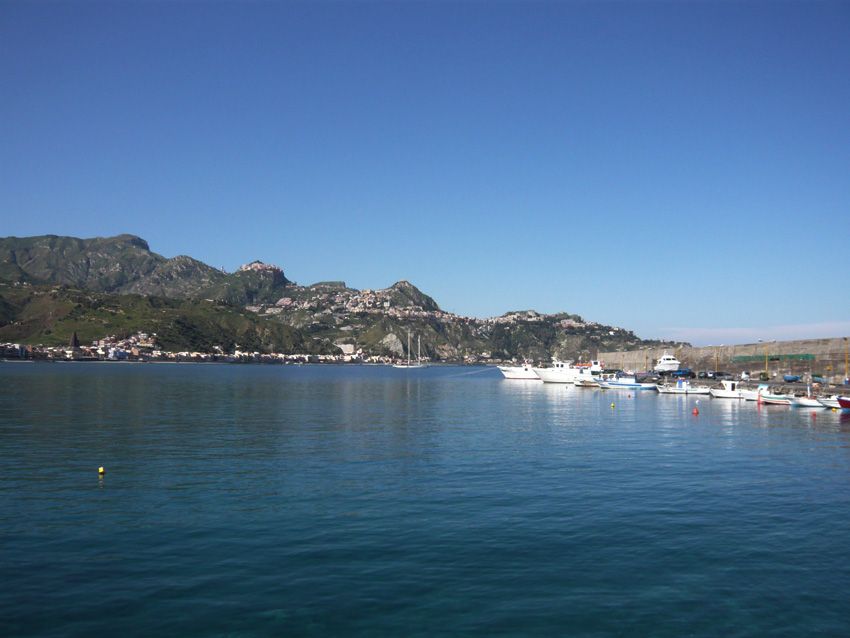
(409, 365)
(844, 403)
(728, 390)
(525, 371)
(558, 372)
(775, 399)
(565, 371)
(586, 383)
(753, 394)
(682, 386)
(830, 402)
(806, 402)
(626, 383)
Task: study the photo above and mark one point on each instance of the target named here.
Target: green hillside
(50, 315)
(51, 287)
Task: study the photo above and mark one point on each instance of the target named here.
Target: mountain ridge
(124, 264)
(52, 285)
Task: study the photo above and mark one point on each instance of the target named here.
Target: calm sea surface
(330, 500)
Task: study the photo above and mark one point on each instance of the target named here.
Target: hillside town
(143, 347)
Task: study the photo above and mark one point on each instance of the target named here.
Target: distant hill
(125, 264)
(51, 287)
(45, 315)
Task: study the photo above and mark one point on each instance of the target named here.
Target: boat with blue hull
(626, 383)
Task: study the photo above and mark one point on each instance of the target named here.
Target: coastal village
(331, 307)
(827, 359)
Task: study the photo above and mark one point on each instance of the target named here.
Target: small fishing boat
(806, 402)
(626, 383)
(729, 390)
(586, 383)
(844, 403)
(753, 395)
(775, 399)
(830, 402)
(586, 378)
(682, 386)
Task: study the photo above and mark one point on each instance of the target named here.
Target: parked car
(684, 373)
(713, 374)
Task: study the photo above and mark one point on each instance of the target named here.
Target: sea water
(363, 500)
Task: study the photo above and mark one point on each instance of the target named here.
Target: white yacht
(525, 371)
(667, 363)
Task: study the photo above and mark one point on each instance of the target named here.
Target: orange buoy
(695, 412)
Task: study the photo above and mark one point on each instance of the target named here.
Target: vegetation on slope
(50, 315)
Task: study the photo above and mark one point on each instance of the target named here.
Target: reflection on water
(335, 500)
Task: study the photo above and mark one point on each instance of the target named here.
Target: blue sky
(679, 169)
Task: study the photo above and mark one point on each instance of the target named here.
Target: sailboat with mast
(410, 364)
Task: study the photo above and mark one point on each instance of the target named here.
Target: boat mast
(408, 347)
(418, 351)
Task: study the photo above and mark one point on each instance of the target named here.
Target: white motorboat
(729, 390)
(586, 383)
(753, 395)
(775, 399)
(410, 365)
(586, 379)
(682, 386)
(565, 371)
(806, 402)
(559, 372)
(525, 372)
(626, 383)
(830, 402)
(667, 363)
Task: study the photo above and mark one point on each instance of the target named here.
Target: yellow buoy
(612, 405)
(100, 470)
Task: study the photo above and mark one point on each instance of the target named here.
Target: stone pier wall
(827, 357)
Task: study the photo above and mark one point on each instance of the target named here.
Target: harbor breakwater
(828, 358)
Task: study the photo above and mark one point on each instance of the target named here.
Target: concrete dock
(829, 358)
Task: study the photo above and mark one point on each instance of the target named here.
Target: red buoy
(695, 412)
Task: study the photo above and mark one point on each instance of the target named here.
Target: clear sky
(679, 169)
